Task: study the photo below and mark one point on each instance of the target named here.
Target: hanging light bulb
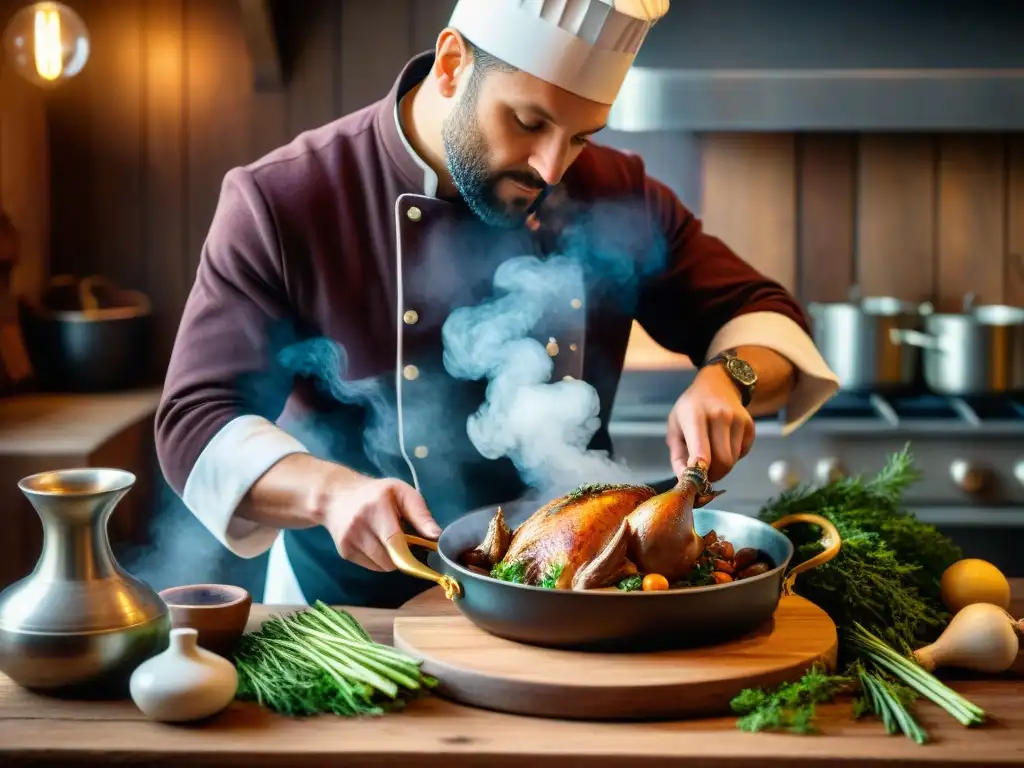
(46, 43)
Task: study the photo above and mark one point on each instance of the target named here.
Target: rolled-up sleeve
(224, 387)
(708, 299)
(816, 383)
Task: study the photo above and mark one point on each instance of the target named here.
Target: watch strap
(746, 390)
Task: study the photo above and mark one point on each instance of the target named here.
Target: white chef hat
(583, 46)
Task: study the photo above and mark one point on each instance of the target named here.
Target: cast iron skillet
(610, 619)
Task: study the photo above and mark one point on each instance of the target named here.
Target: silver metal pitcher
(79, 624)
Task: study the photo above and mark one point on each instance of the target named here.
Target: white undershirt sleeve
(237, 456)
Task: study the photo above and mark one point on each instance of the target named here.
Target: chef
(308, 408)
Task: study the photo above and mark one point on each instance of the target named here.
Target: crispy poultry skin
(599, 534)
(663, 539)
(570, 531)
(494, 545)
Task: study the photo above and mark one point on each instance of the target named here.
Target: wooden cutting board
(482, 670)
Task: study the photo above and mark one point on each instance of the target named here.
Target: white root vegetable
(981, 637)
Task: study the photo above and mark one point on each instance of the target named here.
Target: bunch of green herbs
(322, 660)
(882, 592)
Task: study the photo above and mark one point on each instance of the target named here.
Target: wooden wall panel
(218, 117)
(1015, 221)
(117, 134)
(315, 76)
(749, 199)
(971, 253)
(827, 178)
(376, 57)
(24, 177)
(271, 116)
(167, 261)
(24, 199)
(896, 216)
(428, 19)
(921, 217)
(140, 142)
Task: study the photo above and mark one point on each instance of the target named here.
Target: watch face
(742, 371)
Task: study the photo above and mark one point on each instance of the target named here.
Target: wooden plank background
(920, 217)
(141, 140)
(25, 199)
(24, 176)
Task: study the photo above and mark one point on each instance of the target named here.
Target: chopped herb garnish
(701, 576)
(514, 572)
(551, 577)
(791, 706)
(589, 489)
(631, 583)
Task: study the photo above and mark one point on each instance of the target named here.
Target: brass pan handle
(400, 554)
(830, 540)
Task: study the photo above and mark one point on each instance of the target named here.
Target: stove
(919, 412)
(970, 451)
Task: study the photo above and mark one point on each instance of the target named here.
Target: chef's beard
(467, 151)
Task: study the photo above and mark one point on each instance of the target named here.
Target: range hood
(831, 65)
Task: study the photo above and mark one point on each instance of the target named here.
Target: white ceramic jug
(185, 682)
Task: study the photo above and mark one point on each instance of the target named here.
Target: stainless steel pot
(978, 352)
(855, 339)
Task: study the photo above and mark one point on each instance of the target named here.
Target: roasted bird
(598, 535)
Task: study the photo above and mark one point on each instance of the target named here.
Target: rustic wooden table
(433, 732)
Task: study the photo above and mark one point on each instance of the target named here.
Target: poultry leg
(663, 539)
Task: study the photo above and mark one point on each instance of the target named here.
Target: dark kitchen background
(876, 145)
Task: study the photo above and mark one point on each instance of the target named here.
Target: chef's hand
(709, 423)
(363, 512)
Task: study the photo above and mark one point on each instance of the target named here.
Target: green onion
(323, 660)
(887, 705)
(910, 672)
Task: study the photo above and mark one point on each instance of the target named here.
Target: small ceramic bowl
(218, 612)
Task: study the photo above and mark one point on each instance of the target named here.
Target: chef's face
(508, 135)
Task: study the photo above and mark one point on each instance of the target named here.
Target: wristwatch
(739, 371)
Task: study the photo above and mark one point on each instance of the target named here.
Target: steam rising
(179, 549)
(325, 362)
(544, 427)
(182, 550)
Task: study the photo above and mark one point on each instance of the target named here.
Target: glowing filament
(47, 44)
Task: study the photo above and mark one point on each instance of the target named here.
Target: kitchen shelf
(57, 424)
(44, 432)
